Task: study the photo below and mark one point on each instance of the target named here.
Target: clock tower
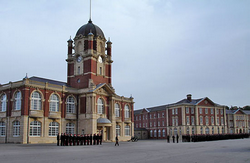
(91, 59)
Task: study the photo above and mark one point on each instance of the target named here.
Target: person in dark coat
(173, 138)
(84, 139)
(78, 139)
(97, 139)
(168, 138)
(90, 139)
(66, 139)
(100, 139)
(81, 139)
(58, 139)
(177, 138)
(94, 139)
(70, 139)
(62, 139)
(74, 140)
(116, 140)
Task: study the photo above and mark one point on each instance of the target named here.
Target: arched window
(70, 128)
(53, 128)
(155, 133)
(151, 133)
(159, 133)
(2, 128)
(117, 110)
(163, 133)
(212, 130)
(127, 111)
(35, 128)
(16, 128)
(127, 130)
(118, 130)
(218, 130)
(54, 103)
(3, 103)
(201, 130)
(222, 130)
(70, 105)
(100, 106)
(17, 101)
(207, 130)
(36, 101)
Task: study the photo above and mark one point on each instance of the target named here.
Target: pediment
(206, 102)
(104, 89)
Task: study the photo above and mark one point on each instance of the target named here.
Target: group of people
(212, 137)
(73, 139)
(173, 137)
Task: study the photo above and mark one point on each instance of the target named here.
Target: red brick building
(34, 110)
(188, 116)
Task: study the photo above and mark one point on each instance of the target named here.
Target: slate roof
(34, 78)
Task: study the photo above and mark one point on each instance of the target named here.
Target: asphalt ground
(143, 151)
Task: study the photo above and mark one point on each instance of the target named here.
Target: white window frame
(159, 133)
(127, 111)
(70, 128)
(70, 104)
(117, 110)
(53, 128)
(187, 110)
(163, 133)
(100, 106)
(118, 130)
(35, 129)
(16, 128)
(2, 129)
(188, 121)
(212, 111)
(17, 100)
(36, 101)
(3, 103)
(192, 110)
(127, 130)
(54, 103)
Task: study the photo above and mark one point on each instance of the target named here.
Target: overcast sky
(162, 49)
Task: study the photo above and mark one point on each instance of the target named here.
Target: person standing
(90, 139)
(116, 140)
(62, 139)
(94, 139)
(177, 138)
(84, 139)
(173, 137)
(168, 138)
(58, 139)
(100, 139)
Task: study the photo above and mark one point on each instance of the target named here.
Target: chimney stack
(189, 97)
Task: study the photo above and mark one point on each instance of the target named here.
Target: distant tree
(246, 107)
(227, 108)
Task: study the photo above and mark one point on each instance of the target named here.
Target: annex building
(186, 117)
(35, 110)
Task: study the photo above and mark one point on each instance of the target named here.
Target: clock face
(100, 59)
(79, 59)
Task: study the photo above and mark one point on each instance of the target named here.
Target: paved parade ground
(144, 151)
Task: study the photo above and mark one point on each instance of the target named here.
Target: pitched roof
(34, 78)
